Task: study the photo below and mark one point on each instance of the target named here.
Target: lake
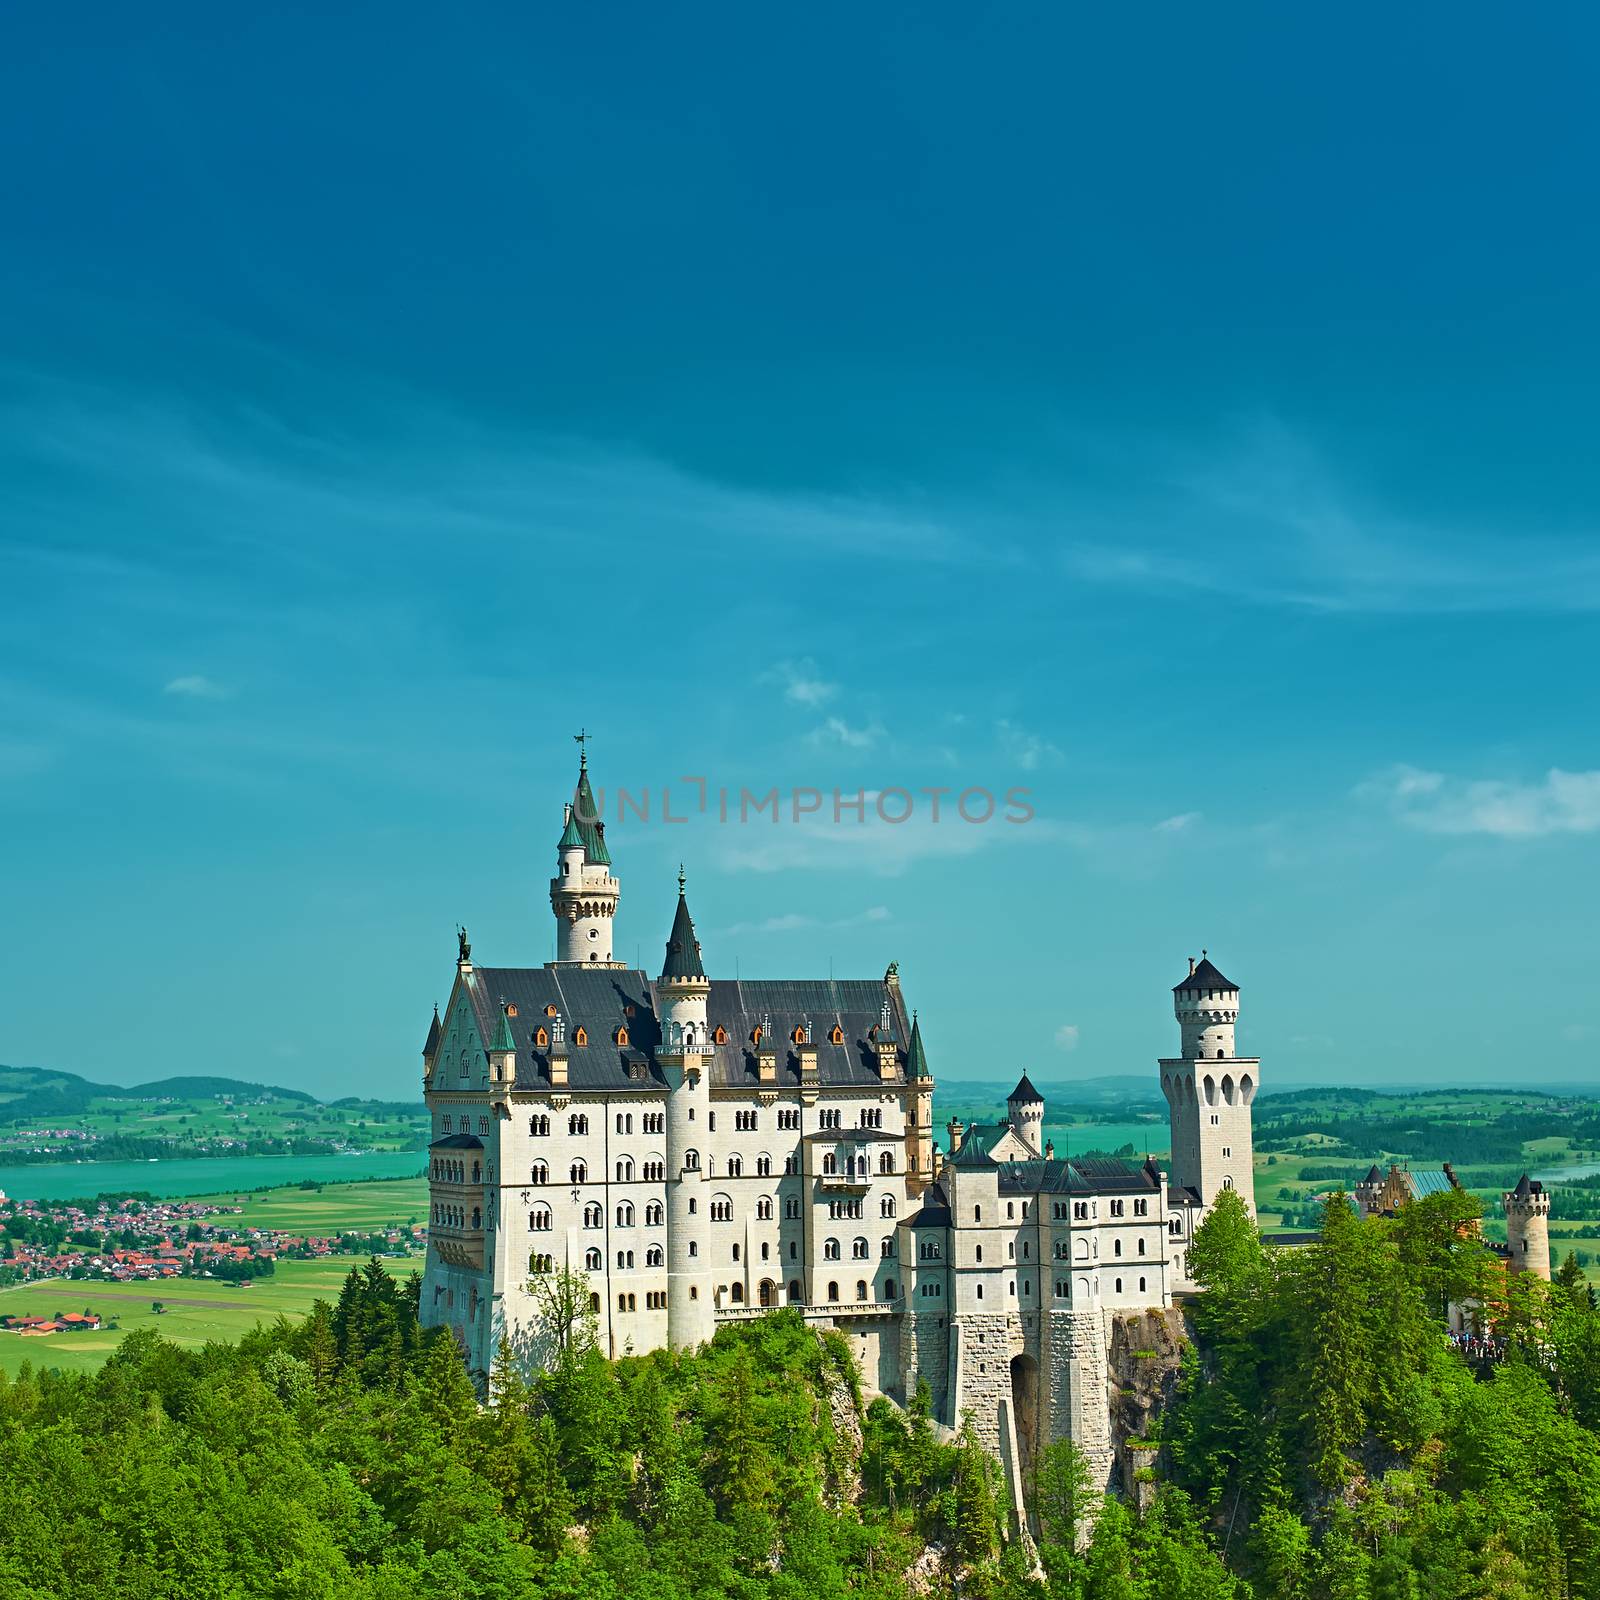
(71, 1180)
(1152, 1137)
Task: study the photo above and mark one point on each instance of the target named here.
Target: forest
(1324, 1437)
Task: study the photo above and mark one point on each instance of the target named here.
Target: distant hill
(43, 1094)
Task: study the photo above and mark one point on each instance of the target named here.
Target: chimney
(1191, 966)
(955, 1131)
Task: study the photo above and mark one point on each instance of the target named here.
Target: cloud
(1067, 1036)
(1028, 750)
(1504, 808)
(1178, 824)
(802, 684)
(195, 686)
(793, 921)
(836, 731)
(1275, 524)
(869, 844)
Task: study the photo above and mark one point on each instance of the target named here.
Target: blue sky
(1188, 417)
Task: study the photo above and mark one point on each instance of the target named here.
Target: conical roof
(431, 1048)
(502, 1034)
(590, 827)
(683, 948)
(916, 1056)
(1024, 1094)
(571, 835)
(1204, 976)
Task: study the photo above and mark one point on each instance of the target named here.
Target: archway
(1025, 1409)
(768, 1292)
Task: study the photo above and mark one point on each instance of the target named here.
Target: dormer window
(837, 1036)
(581, 1037)
(799, 1036)
(719, 1034)
(755, 1037)
(622, 1036)
(541, 1039)
(549, 1011)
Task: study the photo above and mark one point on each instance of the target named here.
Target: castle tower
(919, 1114)
(1528, 1228)
(1025, 1109)
(583, 893)
(684, 1056)
(1209, 1089)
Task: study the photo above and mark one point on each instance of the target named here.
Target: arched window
(691, 1160)
(625, 1170)
(861, 1288)
(1116, 1247)
(539, 1127)
(764, 1208)
(654, 1214)
(830, 1249)
(591, 1260)
(888, 1289)
(541, 1172)
(794, 1291)
(858, 1250)
(539, 1219)
(738, 1294)
(625, 1214)
(886, 1162)
(886, 1206)
(763, 1166)
(833, 1293)
(1141, 1286)
(829, 1164)
(977, 1213)
(593, 1216)
(580, 1172)
(735, 1166)
(886, 1245)
(791, 1207)
(653, 1256)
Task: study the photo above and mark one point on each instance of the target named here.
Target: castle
(700, 1149)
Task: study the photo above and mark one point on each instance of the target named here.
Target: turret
(583, 893)
(1528, 1228)
(1209, 1089)
(430, 1048)
(1025, 1110)
(919, 1112)
(684, 1058)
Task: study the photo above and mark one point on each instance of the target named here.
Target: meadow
(196, 1310)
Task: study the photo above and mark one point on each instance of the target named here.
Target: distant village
(134, 1241)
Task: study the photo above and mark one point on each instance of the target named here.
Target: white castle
(701, 1149)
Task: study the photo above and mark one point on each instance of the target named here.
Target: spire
(683, 948)
(1204, 976)
(916, 1056)
(590, 827)
(571, 835)
(431, 1048)
(502, 1034)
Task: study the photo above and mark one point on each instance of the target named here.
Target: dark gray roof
(457, 1141)
(683, 948)
(917, 1059)
(1373, 1175)
(431, 1048)
(1527, 1186)
(1024, 1093)
(1087, 1175)
(1204, 976)
(598, 1000)
(930, 1216)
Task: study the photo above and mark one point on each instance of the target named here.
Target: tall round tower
(1528, 1228)
(684, 1055)
(583, 893)
(1025, 1111)
(1209, 1089)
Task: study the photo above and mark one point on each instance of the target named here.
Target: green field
(334, 1208)
(197, 1310)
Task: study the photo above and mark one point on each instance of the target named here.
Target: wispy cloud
(1178, 824)
(1026, 749)
(1506, 808)
(195, 686)
(1265, 519)
(850, 736)
(795, 921)
(802, 684)
(1067, 1036)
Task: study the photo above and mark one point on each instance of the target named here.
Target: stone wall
(1073, 1347)
(925, 1355)
(1146, 1352)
